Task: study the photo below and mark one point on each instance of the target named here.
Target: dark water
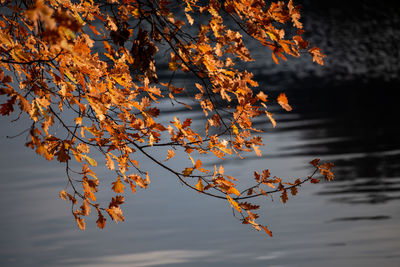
(345, 112)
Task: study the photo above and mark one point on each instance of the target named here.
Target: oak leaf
(115, 214)
(118, 187)
(283, 101)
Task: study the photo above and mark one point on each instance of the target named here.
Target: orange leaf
(233, 190)
(233, 203)
(110, 162)
(118, 187)
(101, 221)
(80, 222)
(198, 164)
(262, 96)
(90, 160)
(199, 185)
(63, 195)
(266, 230)
(115, 214)
(85, 208)
(283, 101)
(170, 154)
(256, 149)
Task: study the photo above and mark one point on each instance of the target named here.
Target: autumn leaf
(85, 208)
(317, 55)
(80, 222)
(257, 150)
(315, 162)
(269, 115)
(109, 162)
(90, 160)
(283, 101)
(170, 154)
(293, 190)
(133, 187)
(284, 196)
(68, 84)
(198, 164)
(262, 96)
(116, 214)
(233, 190)
(187, 171)
(101, 221)
(63, 195)
(266, 230)
(199, 185)
(139, 180)
(233, 203)
(118, 187)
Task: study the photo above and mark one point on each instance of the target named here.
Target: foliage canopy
(99, 62)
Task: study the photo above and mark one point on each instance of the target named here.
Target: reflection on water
(373, 218)
(145, 259)
(356, 127)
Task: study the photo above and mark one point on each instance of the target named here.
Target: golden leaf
(257, 150)
(233, 190)
(118, 187)
(63, 195)
(199, 185)
(90, 160)
(233, 203)
(110, 162)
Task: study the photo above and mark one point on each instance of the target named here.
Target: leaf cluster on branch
(100, 62)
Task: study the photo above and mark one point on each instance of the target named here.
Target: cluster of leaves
(97, 60)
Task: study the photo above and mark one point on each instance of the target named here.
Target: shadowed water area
(345, 112)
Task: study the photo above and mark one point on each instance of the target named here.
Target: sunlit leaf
(233, 203)
(283, 101)
(118, 187)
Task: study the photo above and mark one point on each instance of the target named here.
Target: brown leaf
(293, 190)
(315, 162)
(284, 196)
(101, 221)
(187, 171)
